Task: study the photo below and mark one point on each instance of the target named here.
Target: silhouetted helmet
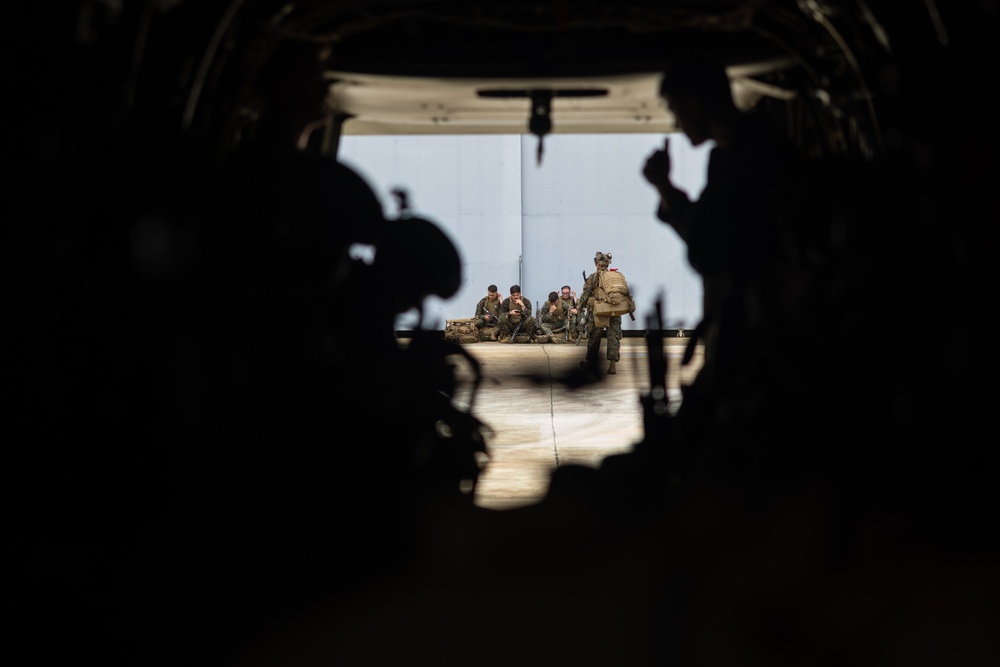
(417, 259)
(349, 209)
(602, 258)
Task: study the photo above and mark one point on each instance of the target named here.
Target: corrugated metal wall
(517, 222)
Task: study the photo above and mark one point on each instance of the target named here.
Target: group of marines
(501, 319)
(562, 318)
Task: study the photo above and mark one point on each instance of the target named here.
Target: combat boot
(611, 368)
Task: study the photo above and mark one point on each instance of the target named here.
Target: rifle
(581, 325)
(487, 315)
(519, 324)
(517, 329)
(581, 321)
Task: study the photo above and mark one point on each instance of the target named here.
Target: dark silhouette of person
(218, 462)
(732, 231)
(347, 466)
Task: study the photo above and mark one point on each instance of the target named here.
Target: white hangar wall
(517, 222)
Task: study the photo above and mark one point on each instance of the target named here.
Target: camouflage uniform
(574, 319)
(487, 328)
(506, 326)
(554, 324)
(614, 325)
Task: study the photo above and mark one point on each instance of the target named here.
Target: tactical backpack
(461, 331)
(611, 297)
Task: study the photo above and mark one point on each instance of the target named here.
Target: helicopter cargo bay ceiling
(619, 103)
(459, 67)
(456, 66)
(831, 72)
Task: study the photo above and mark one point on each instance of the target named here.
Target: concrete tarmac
(537, 422)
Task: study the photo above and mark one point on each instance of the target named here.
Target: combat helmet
(602, 259)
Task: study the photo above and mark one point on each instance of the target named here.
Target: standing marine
(602, 290)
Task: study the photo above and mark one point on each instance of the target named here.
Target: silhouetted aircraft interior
(223, 455)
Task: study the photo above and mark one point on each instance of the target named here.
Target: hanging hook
(540, 123)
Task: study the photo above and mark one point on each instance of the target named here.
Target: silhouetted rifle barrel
(654, 352)
(656, 402)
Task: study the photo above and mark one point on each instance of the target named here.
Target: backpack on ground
(461, 330)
